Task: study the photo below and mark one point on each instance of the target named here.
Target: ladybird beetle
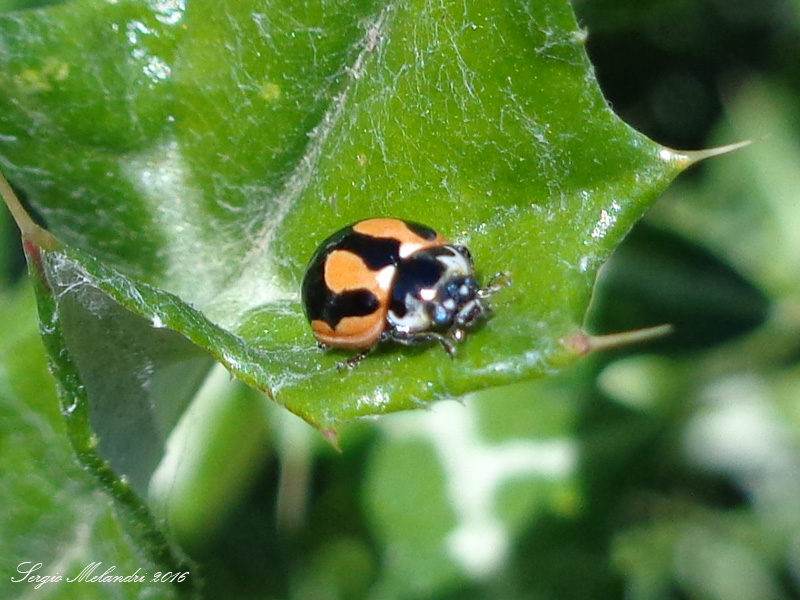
(390, 279)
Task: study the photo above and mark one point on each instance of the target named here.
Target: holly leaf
(189, 159)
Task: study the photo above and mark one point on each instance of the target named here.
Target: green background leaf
(216, 153)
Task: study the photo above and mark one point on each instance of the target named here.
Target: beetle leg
(352, 362)
(496, 283)
(421, 337)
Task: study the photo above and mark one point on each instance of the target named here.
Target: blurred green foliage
(53, 512)
(665, 471)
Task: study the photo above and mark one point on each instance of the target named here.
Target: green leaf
(55, 513)
(192, 157)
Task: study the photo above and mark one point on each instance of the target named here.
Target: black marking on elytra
(322, 304)
(319, 302)
(421, 230)
(354, 303)
(313, 291)
(376, 253)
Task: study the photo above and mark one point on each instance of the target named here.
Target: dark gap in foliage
(668, 70)
(658, 277)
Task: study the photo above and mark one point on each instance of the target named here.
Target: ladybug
(389, 279)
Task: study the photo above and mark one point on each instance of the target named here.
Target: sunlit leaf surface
(190, 157)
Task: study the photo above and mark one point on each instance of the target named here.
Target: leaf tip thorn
(687, 158)
(32, 234)
(583, 343)
(332, 435)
